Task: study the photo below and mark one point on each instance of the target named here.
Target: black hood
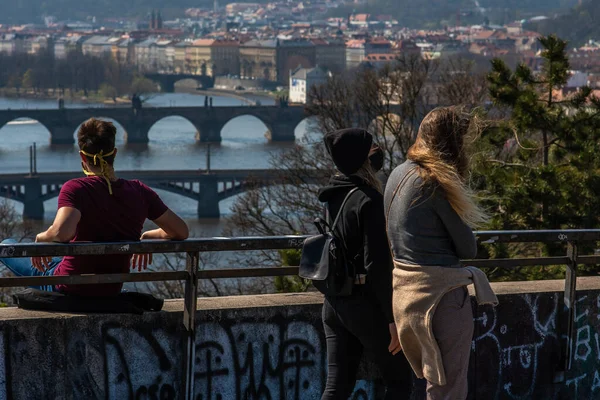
(339, 184)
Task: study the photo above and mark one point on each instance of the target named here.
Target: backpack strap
(339, 214)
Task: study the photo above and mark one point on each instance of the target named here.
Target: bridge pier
(167, 85)
(210, 131)
(62, 134)
(283, 131)
(137, 129)
(208, 200)
(33, 203)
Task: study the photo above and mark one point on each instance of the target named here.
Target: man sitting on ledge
(100, 208)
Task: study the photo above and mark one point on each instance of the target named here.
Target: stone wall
(272, 347)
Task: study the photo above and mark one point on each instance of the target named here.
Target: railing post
(30, 160)
(570, 299)
(34, 158)
(189, 323)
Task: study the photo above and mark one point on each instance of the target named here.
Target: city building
(355, 53)
(99, 46)
(236, 8)
(41, 44)
(291, 54)
(379, 61)
(180, 62)
(406, 48)
(258, 60)
(199, 55)
(160, 56)
(144, 56)
(302, 80)
(170, 52)
(67, 44)
(12, 43)
(330, 54)
(225, 55)
(124, 51)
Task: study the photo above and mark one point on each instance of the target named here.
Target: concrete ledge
(310, 298)
(549, 286)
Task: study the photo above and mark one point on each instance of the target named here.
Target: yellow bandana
(104, 167)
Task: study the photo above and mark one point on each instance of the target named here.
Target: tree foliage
(577, 26)
(77, 72)
(538, 167)
(143, 87)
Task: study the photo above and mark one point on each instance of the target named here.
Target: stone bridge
(208, 121)
(208, 188)
(167, 81)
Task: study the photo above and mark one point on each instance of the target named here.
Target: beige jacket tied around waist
(417, 292)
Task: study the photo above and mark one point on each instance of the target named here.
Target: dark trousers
(353, 324)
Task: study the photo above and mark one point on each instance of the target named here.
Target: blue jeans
(23, 267)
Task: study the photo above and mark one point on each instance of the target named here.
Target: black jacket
(362, 228)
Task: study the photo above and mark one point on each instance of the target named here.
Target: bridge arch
(200, 83)
(246, 128)
(173, 129)
(167, 81)
(25, 131)
(309, 126)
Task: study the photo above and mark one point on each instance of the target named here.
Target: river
(172, 146)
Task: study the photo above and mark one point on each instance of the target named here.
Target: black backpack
(324, 258)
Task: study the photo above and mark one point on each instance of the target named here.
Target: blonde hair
(439, 151)
(367, 174)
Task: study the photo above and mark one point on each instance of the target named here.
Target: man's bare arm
(63, 228)
(171, 227)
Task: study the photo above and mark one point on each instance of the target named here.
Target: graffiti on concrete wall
(516, 355)
(517, 349)
(508, 355)
(278, 359)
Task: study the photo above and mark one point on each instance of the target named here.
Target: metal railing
(193, 248)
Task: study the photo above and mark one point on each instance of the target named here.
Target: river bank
(77, 97)
(252, 98)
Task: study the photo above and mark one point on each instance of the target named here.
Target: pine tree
(539, 167)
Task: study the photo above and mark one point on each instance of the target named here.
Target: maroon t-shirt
(105, 218)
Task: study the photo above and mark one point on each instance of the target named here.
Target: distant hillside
(438, 13)
(413, 13)
(577, 26)
(24, 11)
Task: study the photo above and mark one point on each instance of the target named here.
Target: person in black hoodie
(363, 320)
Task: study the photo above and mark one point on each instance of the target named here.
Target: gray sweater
(423, 228)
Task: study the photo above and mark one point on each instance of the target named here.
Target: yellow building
(198, 57)
(180, 65)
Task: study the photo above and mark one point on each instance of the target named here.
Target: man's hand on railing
(141, 261)
(41, 263)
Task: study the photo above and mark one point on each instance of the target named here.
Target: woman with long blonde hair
(362, 320)
(430, 214)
